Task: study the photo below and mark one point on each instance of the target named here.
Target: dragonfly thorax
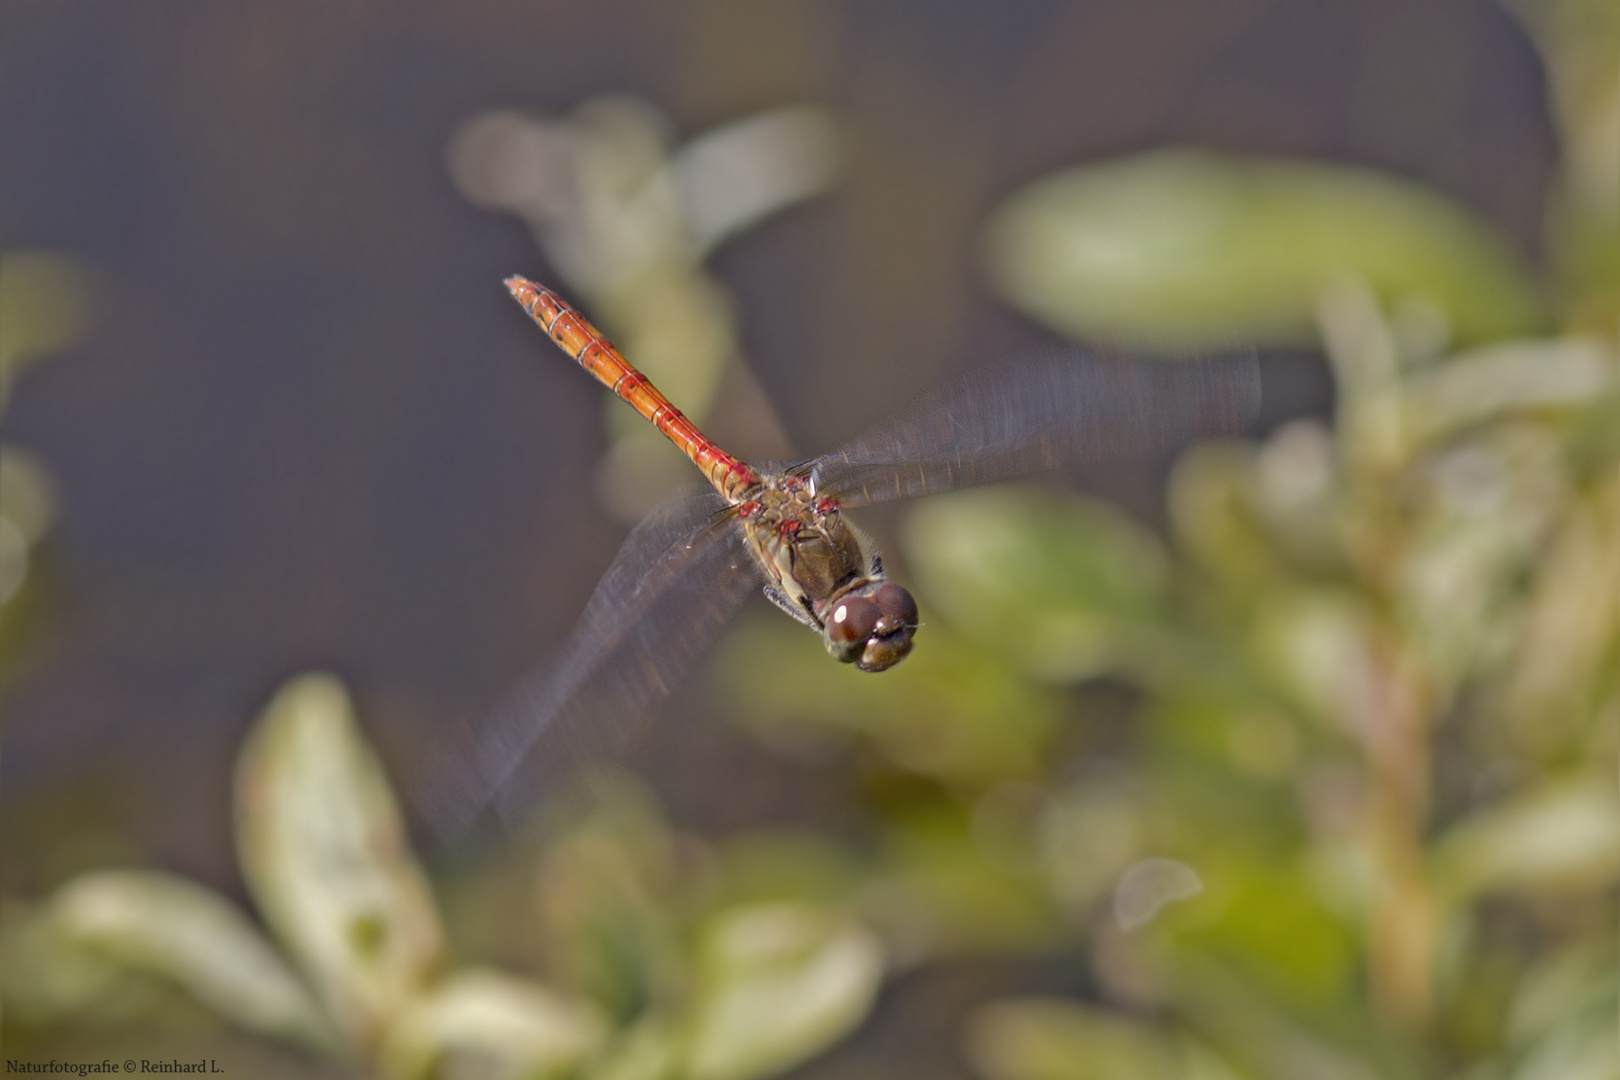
(823, 572)
(806, 548)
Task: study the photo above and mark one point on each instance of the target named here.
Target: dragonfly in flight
(781, 529)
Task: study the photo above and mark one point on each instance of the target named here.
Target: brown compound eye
(851, 622)
(883, 651)
(892, 634)
(897, 607)
(872, 626)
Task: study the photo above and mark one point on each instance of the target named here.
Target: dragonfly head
(871, 626)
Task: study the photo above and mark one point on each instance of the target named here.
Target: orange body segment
(579, 339)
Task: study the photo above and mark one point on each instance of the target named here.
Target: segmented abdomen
(577, 337)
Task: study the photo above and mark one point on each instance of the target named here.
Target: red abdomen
(579, 339)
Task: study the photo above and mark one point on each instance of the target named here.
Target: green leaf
(780, 983)
(49, 975)
(1578, 979)
(1211, 506)
(325, 853)
(27, 496)
(1051, 1039)
(732, 177)
(518, 1027)
(1271, 922)
(1319, 645)
(647, 1050)
(1512, 377)
(786, 864)
(1064, 586)
(954, 710)
(1089, 835)
(44, 304)
(1561, 835)
(951, 885)
(611, 890)
(1576, 1037)
(1561, 1025)
(1189, 249)
(185, 933)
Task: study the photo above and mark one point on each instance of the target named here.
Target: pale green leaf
(1052, 1039)
(48, 975)
(650, 1049)
(1212, 510)
(1563, 834)
(1189, 249)
(1319, 645)
(515, 1027)
(27, 496)
(182, 932)
(1561, 1025)
(780, 983)
(1515, 376)
(325, 853)
(735, 176)
(1579, 978)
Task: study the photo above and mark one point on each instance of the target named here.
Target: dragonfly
(781, 529)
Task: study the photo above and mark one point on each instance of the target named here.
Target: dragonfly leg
(800, 612)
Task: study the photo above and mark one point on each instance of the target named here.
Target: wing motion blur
(1069, 406)
(679, 577)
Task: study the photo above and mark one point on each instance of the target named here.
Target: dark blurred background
(306, 427)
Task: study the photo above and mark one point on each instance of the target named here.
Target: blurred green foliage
(667, 975)
(1320, 784)
(1187, 247)
(44, 307)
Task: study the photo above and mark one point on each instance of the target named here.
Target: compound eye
(883, 651)
(852, 620)
(897, 606)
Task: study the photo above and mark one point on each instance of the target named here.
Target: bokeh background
(1289, 757)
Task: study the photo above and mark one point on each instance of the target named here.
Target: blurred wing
(1075, 405)
(679, 577)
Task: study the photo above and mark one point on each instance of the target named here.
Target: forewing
(1068, 406)
(679, 577)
